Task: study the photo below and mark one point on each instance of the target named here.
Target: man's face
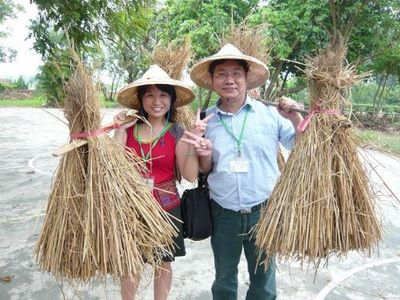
(229, 81)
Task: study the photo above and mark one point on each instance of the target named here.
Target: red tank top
(162, 163)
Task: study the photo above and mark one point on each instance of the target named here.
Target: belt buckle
(245, 211)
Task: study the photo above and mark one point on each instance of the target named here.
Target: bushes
(19, 84)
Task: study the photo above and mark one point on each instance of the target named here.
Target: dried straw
(322, 203)
(173, 60)
(249, 40)
(101, 217)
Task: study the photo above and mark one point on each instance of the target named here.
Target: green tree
(20, 83)
(97, 30)
(298, 28)
(204, 22)
(8, 10)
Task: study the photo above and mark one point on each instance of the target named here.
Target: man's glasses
(224, 75)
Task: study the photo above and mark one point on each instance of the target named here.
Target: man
(245, 136)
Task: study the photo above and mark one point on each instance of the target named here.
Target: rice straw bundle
(322, 203)
(185, 116)
(101, 217)
(173, 60)
(249, 40)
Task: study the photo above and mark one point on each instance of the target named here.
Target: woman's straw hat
(128, 95)
(258, 72)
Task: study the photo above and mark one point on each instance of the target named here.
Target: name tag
(239, 165)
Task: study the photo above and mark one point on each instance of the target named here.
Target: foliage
(6, 85)
(13, 85)
(203, 21)
(299, 28)
(54, 72)
(20, 83)
(8, 10)
(107, 33)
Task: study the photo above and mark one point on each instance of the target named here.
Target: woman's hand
(200, 126)
(202, 145)
(125, 119)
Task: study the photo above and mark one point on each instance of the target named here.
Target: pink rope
(97, 132)
(315, 110)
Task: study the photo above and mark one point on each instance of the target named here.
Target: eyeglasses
(236, 75)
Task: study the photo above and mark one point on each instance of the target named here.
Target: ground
(28, 136)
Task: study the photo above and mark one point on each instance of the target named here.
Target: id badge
(149, 182)
(239, 165)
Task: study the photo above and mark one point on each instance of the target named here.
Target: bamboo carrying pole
(322, 204)
(101, 217)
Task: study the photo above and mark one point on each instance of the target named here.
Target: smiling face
(229, 81)
(156, 101)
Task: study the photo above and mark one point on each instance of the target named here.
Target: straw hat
(258, 72)
(128, 95)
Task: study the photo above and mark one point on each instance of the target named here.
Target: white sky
(27, 61)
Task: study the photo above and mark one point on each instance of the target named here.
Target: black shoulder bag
(196, 212)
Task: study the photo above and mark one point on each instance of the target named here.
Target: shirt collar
(249, 102)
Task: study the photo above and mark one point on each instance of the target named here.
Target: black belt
(241, 211)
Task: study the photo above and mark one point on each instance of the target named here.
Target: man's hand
(285, 108)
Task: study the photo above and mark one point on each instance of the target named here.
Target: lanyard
(153, 143)
(230, 131)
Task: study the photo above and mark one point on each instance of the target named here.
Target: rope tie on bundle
(316, 109)
(92, 133)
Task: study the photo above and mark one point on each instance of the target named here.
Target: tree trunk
(207, 102)
(284, 81)
(381, 99)
(377, 93)
(274, 78)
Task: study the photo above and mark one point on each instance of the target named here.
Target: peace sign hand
(202, 145)
(200, 126)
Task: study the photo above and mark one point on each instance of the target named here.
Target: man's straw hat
(128, 95)
(258, 72)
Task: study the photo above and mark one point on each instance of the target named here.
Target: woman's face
(156, 103)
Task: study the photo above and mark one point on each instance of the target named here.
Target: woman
(158, 141)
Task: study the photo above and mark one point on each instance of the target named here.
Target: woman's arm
(187, 160)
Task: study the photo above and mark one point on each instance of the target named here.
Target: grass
(39, 101)
(36, 101)
(385, 140)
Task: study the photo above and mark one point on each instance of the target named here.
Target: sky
(27, 61)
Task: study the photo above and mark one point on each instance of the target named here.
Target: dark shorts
(179, 244)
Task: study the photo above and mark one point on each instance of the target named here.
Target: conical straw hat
(258, 72)
(128, 95)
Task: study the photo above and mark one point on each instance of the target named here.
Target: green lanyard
(238, 140)
(152, 143)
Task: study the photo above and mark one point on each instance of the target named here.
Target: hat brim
(257, 75)
(128, 95)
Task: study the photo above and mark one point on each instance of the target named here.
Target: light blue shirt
(265, 128)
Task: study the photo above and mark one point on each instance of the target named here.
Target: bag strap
(202, 181)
